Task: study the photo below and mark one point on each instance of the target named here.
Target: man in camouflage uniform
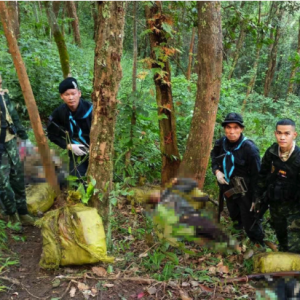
(279, 186)
(12, 187)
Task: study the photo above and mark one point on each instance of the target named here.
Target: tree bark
(162, 79)
(294, 67)
(56, 7)
(196, 156)
(29, 99)
(273, 57)
(107, 76)
(59, 39)
(239, 43)
(13, 12)
(75, 23)
(191, 52)
(134, 73)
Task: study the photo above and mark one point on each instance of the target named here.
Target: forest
(162, 76)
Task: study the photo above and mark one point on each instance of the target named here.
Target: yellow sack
(39, 197)
(276, 262)
(73, 235)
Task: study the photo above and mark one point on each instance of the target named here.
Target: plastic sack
(39, 197)
(72, 235)
(276, 262)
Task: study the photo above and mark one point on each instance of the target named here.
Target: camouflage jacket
(15, 117)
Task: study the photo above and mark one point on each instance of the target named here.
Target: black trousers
(239, 211)
(79, 167)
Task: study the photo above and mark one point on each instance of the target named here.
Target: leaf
(82, 287)
(72, 178)
(162, 116)
(205, 288)
(144, 254)
(184, 296)
(151, 290)
(110, 269)
(167, 28)
(141, 295)
(185, 284)
(99, 271)
(72, 291)
(221, 268)
(109, 285)
(55, 283)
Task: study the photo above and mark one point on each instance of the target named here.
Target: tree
(107, 76)
(160, 26)
(294, 67)
(191, 53)
(75, 22)
(29, 98)
(196, 156)
(13, 12)
(59, 39)
(273, 55)
(134, 74)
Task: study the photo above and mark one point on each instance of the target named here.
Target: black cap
(66, 84)
(233, 118)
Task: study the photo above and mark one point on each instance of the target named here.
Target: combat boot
(15, 223)
(27, 220)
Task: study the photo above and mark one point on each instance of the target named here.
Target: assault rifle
(239, 187)
(260, 276)
(261, 206)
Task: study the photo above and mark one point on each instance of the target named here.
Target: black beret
(234, 118)
(66, 84)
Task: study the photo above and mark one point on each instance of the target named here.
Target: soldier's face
(71, 97)
(233, 132)
(285, 135)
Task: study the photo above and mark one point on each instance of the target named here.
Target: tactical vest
(283, 179)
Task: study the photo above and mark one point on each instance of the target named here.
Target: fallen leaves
(184, 296)
(99, 271)
(72, 291)
(82, 287)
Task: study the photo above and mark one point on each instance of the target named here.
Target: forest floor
(144, 268)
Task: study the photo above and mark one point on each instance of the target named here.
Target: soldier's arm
(55, 130)
(215, 152)
(21, 132)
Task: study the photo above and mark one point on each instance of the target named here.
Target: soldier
(74, 116)
(12, 186)
(235, 159)
(278, 186)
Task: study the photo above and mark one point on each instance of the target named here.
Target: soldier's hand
(77, 149)
(221, 177)
(252, 206)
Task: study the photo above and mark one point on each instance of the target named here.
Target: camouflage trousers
(12, 186)
(285, 220)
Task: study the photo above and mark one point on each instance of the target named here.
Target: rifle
(260, 276)
(264, 206)
(239, 187)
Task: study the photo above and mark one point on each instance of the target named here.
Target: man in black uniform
(279, 186)
(235, 159)
(70, 126)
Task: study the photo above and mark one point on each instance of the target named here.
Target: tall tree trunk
(75, 23)
(273, 57)
(162, 79)
(59, 39)
(294, 67)
(95, 18)
(134, 73)
(189, 69)
(56, 7)
(239, 44)
(196, 156)
(107, 76)
(29, 98)
(13, 12)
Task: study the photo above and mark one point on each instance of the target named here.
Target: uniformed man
(12, 185)
(70, 126)
(279, 186)
(236, 164)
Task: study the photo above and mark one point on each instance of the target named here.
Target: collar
(284, 156)
(235, 144)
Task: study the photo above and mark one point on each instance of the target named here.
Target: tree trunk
(162, 79)
(239, 43)
(189, 69)
(29, 99)
(56, 7)
(59, 39)
(75, 23)
(273, 58)
(134, 73)
(95, 18)
(107, 76)
(210, 55)
(13, 12)
(294, 67)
